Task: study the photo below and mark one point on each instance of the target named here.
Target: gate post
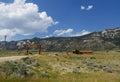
(27, 50)
(39, 49)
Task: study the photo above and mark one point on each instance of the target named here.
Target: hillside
(102, 40)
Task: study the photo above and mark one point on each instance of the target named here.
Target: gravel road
(11, 58)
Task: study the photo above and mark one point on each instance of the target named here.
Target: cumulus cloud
(8, 32)
(67, 33)
(83, 32)
(23, 18)
(63, 32)
(89, 7)
(82, 7)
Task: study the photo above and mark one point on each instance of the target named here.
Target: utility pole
(5, 37)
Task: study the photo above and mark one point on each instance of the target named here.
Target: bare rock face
(111, 33)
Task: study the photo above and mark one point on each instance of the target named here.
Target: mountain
(107, 39)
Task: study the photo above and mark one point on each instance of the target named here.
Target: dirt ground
(11, 58)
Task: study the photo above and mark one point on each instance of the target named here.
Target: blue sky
(59, 17)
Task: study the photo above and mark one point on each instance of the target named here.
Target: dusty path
(2, 59)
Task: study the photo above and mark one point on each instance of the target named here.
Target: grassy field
(63, 67)
(4, 53)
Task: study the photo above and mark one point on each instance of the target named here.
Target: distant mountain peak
(111, 33)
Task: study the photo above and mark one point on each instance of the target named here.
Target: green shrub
(108, 69)
(21, 68)
(76, 71)
(45, 74)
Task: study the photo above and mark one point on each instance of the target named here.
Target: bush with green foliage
(20, 68)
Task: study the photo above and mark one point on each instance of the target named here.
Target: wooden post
(27, 50)
(39, 49)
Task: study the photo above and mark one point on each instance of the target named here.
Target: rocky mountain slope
(102, 40)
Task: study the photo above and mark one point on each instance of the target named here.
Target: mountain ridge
(107, 39)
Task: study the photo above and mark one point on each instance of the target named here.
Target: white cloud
(47, 36)
(63, 32)
(83, 32)
(89, 7)
(68, 32)
(8, 32)
(23, 18)
(82, 7)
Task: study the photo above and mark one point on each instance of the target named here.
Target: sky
(25, 19)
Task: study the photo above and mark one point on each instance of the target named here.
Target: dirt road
(11, 58)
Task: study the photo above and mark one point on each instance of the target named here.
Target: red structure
(82, 52)
(86, 52)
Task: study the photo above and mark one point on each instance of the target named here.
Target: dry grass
(62, 67)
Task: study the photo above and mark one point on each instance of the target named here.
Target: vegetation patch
(21, 68)
(63, 67)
